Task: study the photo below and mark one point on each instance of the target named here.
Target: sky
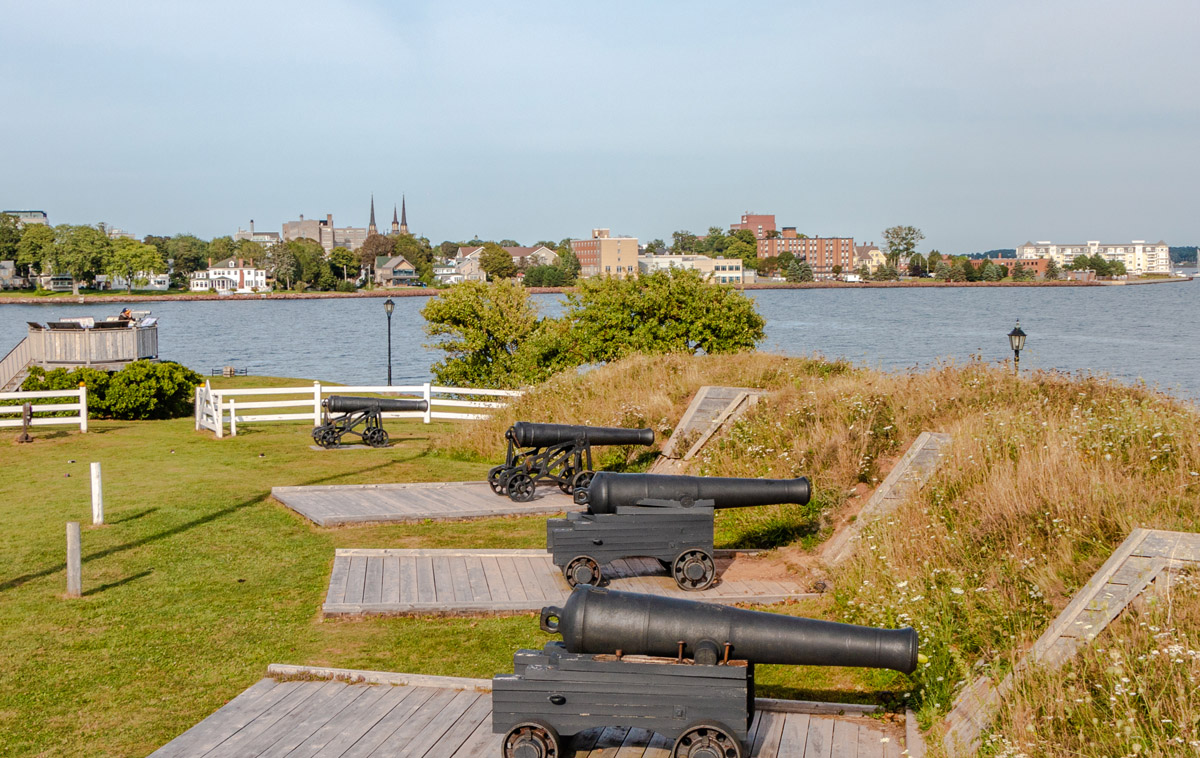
(985, 125)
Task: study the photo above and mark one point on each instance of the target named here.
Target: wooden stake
(97, 495)
(74, 568)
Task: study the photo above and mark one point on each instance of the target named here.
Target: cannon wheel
(581, 480)
(694, 570)
(325, 436)
(582, 569)
(376, 437)
(495, 479)
(566, 481)
(707, 741)
(532, 739)
(520, 487)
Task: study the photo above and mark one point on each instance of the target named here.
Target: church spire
(403, 216)
(371, 226)
(395, 222)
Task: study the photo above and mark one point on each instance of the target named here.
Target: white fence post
(316, 403)
(83, 411)
(74, 564)
(97, 495)
(196, 407)
(428, 403)
(218, 415)
(232, 417)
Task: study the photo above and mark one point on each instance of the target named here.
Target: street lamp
(388, 307)
(1016, 338)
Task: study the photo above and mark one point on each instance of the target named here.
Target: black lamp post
(388, 307)
(1016, 338)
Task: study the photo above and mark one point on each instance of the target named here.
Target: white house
(142, 280)
(446, 272)
(723, 270)
(1138, 256)
(231, 275)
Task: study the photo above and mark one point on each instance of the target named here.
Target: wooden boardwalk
(909, 474)
(1144, 556)
(710, 410)
(432, 717)
(454, 582)
(336, 505)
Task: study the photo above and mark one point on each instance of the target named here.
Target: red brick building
(760, 224)
(822, 253)
(1036, 265)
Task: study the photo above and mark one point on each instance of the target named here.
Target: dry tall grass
(1047, 474)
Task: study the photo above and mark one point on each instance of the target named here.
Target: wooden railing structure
(79, 406)
(105, 345)
(13, 364)
(216, 408)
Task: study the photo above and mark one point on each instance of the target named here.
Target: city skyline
(985, 127)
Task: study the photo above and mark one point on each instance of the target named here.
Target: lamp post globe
(388, 307)
(1016, 340)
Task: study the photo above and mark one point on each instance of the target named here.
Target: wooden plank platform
(484, 582)
(432, 717)
(710, 410)
(1134, 566)
(336, 505)
(909, 474)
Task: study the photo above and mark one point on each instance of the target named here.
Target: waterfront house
(394, 272)
(230, 276)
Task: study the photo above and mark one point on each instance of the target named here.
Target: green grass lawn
(199, 580)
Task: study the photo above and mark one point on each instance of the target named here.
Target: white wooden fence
(80, 417)
(216, 408)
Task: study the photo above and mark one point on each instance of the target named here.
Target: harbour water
(1144, 333)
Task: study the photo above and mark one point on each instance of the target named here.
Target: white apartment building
(230, 275)
(1138, 256)
(723, 270)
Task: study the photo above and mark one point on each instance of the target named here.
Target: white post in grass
(232, 417)
(74, 569)
(316, 403)
(83, 411)
(97, 495)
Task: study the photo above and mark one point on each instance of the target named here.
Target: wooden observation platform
(69, 343)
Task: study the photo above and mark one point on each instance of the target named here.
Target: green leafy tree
(375, 246)
(663, 312)
(80, 251)
(188, 253)
(656, 247)
(152, 390)
(342, 258)
(569, 262)
(942, 271)
(491, 334)
(793, 272)
(545, 276)
(496, 262)
(223, 248)
(132, 260)
(250, 251)
(837, 269)
(886, 273)
(508, 243)
(900, 242)
(282, 264)
(993, 273)
(314, 269)
(10, 237)
(805, 272)
(958, 273)
(1117, 268)
(35, 251)
(683, 242)
(932, 260)
(864, 273)
(1053, 272)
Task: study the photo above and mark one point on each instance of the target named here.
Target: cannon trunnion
(677, 667)
(559, 453)
(354, 412)
(668, 518)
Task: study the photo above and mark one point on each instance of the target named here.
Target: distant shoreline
(430, 291)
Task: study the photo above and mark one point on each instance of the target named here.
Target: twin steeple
(371, 226)
(399, 223)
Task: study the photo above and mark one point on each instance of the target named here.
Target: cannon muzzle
(349, 404)
(528, 434)
(598, 620)
(609, 490)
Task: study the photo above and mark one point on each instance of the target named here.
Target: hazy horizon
(985, 126)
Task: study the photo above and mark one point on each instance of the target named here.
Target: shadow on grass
(208, 519)
(133, 516)
(119, 582)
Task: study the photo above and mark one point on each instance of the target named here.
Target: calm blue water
(1147, 332)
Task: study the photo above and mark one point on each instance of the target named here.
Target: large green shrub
(141, 390)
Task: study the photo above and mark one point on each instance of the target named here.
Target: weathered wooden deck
(1137, 563)
(435, 717)
(453, 582)
(336, 505)
(710, 410)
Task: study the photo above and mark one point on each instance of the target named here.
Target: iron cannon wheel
(520, 487)
(326, 437)
(566, 481)
(376, 437)
(581, 480)
(582, 569)
(694, 570)
(707, 741)
(495, 479)
(532, 739)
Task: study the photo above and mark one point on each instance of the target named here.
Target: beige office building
(723, 270)
(1138, 256)
(605, 255)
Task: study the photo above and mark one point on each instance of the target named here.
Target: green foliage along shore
(493, 337)
(142, 390)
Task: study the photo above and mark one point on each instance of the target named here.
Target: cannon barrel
(598, 620)
(528, 434)
(608, 490)
(349, 404)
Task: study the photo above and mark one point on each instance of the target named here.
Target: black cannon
(668, 518)
(359, 411)
(680, 668)
(560, 453)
